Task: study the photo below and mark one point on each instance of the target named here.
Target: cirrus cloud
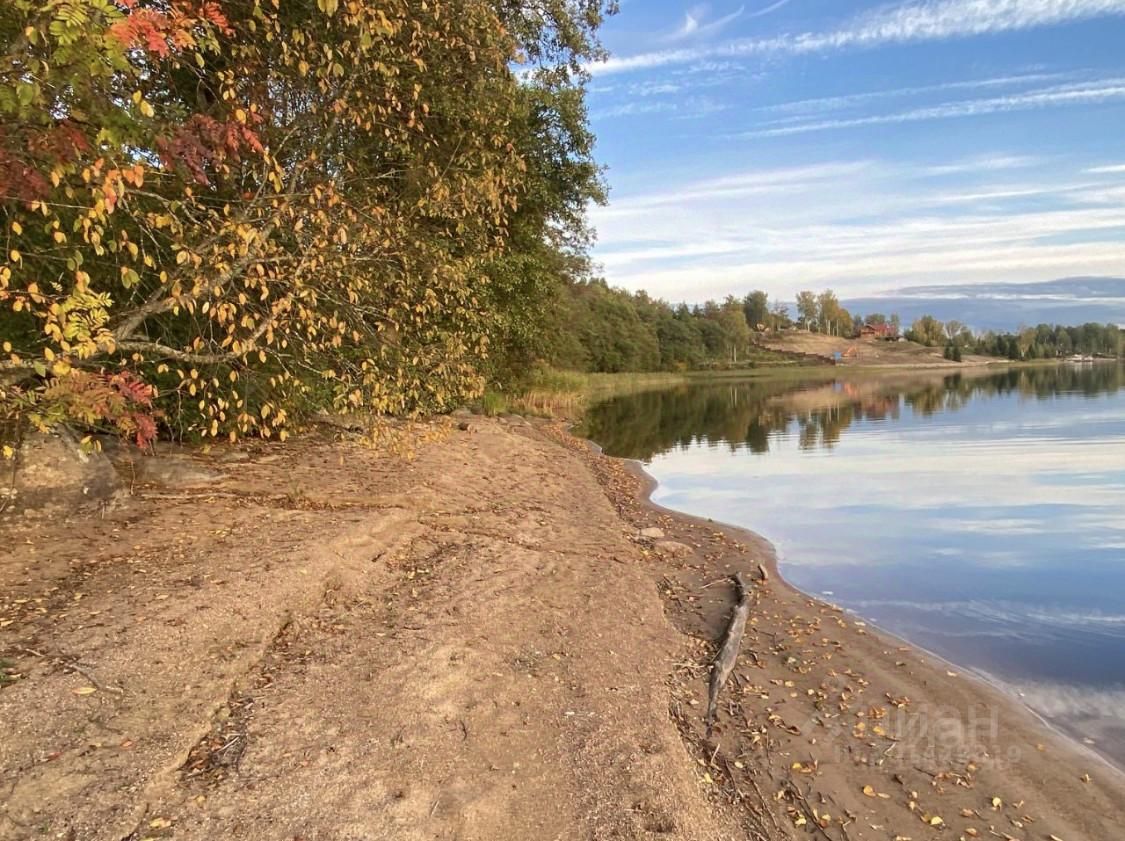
(913, 22)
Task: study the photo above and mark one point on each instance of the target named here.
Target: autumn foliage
(220, 216)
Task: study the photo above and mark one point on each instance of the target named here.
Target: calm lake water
(980, 516)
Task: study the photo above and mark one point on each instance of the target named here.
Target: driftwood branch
(724, 661)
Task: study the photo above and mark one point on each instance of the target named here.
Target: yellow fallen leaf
(85, 690)
(997, 802)
(869, 791)
(159, 823)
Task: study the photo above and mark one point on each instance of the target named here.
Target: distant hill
(1006, 306)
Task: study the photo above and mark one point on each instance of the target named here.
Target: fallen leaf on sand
(85, 690)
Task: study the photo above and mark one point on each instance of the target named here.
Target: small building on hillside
(878, 331)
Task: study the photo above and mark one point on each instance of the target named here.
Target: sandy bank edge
(1060, 758)
(990, 692)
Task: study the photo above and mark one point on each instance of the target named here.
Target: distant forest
(600, 328)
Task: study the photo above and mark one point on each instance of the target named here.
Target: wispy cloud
(1081, 94)
(834, 103)
(696, 24)
(932, 20)
(859, 225)
(986, 163)
(788, 180)
(1110, 169)
(770, 9)
(634, 109)
(654, 88)
(687, 109)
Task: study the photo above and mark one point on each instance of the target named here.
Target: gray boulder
(52, 475)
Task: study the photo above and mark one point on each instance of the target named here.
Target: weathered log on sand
(724, 661)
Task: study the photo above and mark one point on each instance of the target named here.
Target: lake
(979, 515)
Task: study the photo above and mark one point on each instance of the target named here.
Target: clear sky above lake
(788, 144)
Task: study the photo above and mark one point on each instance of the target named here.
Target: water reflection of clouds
(960, 478)
(1033, 620)
(1011, 525)
(988, 527)
(1067, 702)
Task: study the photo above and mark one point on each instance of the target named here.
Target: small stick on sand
(724, 661)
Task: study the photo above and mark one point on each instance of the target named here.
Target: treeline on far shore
(599, 328)
(751, 413)
(1044, 341)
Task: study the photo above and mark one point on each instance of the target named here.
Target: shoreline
(772, 563)
(1020, 746)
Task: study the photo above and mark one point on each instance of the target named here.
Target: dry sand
(869, 352)
(329, 643)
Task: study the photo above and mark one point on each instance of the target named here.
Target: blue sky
(790, 144)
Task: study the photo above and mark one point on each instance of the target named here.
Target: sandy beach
(500, 638)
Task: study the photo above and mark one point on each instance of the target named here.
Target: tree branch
(165, 352)
(9, 365)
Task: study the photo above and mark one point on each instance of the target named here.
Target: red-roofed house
(878, 331)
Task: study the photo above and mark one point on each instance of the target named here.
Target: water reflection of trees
(747, 414)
